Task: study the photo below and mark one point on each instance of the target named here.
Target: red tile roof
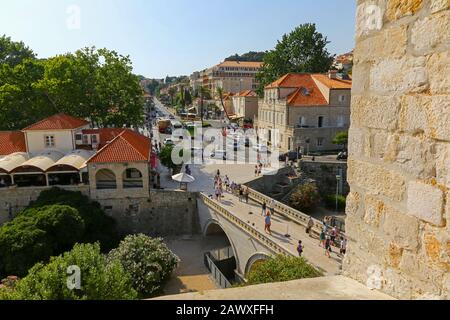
(128, 146)
(241, 64)
(11, 142)
(333, 83)
(58, 122)
(247, 93)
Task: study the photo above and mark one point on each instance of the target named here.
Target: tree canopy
(301, 51)
(94, 84)
(249, 56)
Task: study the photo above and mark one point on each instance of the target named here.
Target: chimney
(332, 74)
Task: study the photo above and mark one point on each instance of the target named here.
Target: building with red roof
(62, 150)
(303, 110)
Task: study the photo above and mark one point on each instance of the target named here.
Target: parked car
(168, 142)
(343, 155)
(291, 155)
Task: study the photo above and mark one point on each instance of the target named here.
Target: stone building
(305, 111)
(399, 168)
(245, 105)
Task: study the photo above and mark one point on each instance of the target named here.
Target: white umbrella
(183, 178)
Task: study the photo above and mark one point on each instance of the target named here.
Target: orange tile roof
(128, 146)
(11, 142)
(333, 83)
(241, 64)
(58, 122)
(312, 98)
(247, 93)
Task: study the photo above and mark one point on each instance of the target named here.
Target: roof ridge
(105, 146)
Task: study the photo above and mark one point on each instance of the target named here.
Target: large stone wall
(399, 169)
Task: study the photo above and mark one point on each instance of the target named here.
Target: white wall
(36, 140)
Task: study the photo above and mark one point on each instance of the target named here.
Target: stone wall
(399, 169)
(164, 213)
(324, 173)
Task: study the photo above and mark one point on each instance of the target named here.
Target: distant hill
(249, 56)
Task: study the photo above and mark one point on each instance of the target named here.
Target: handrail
(218, 276)
(291, 213)
(267, 242)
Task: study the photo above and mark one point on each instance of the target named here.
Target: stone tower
(399, 169)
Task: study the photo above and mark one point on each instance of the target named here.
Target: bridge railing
(291, 213)
(266, 241)
(217, 275)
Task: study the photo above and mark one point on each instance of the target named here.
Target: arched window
(105, 180)
(132, 179)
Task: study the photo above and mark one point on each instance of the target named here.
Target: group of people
(330, 237)
(225, 184)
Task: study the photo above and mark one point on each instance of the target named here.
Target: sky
(172, 37)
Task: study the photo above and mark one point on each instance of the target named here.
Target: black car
(291, 155)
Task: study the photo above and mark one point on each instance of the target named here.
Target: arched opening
(254, 261)
(132, 179)
(221, 259)
(105, 180)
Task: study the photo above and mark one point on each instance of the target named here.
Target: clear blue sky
(173, 37)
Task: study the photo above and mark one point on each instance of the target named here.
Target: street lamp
(338, 180)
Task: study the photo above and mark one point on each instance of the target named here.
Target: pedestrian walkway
(251, 213)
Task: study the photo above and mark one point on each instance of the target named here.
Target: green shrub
(305, 197)
(99, 280)
(37, 235)
(98, 226)
(330, 202)
(149, 262)
(280, 269)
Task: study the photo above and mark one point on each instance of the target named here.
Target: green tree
(165, 156)
(13, 53)
(99, 280)
(37, 235)
(305, 197)
(280, 269)
(149, 262)
(220, 94)
(341, 139)
(302, 50)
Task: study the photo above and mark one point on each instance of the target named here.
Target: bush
(148, 261)
(280, 269)
(330, 202)
(305, 197)
(99, 280)
(98, 226)
(36, 235)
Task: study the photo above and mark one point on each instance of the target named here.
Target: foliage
(149, 262)
(98, 226)
(99, 280)
(302, 50)
(165, 156)
(249, 56)
(341, 139)
(280, 269)
(13, 53)
(305, 197)
(330, 202)
(36, 235)
(90, 83)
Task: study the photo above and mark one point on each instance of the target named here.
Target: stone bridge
(243, 225)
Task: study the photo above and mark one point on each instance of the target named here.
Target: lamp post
(338, 180)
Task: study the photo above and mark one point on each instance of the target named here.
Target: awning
(183, 178)
(40, 163)
(74, 161)
(9, 163)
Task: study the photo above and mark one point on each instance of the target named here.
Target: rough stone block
(426, 202)
(439, 72)
(369, 17)
(392, 77)
(439, 118)
(375, 112)
(377, 179)
(374, 211)
(443, 165)
(431, 33)
(413, 114)
(439, 5)
(400, 228)
(397, 9)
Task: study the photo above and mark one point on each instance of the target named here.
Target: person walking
(268, 223)
(322, 238)
(246, 194)
(300, 248)
(272, 206)
(343, 249)
(256, 171)
(264, 208)
(241, 193)
(328, 248)
(310, 226)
